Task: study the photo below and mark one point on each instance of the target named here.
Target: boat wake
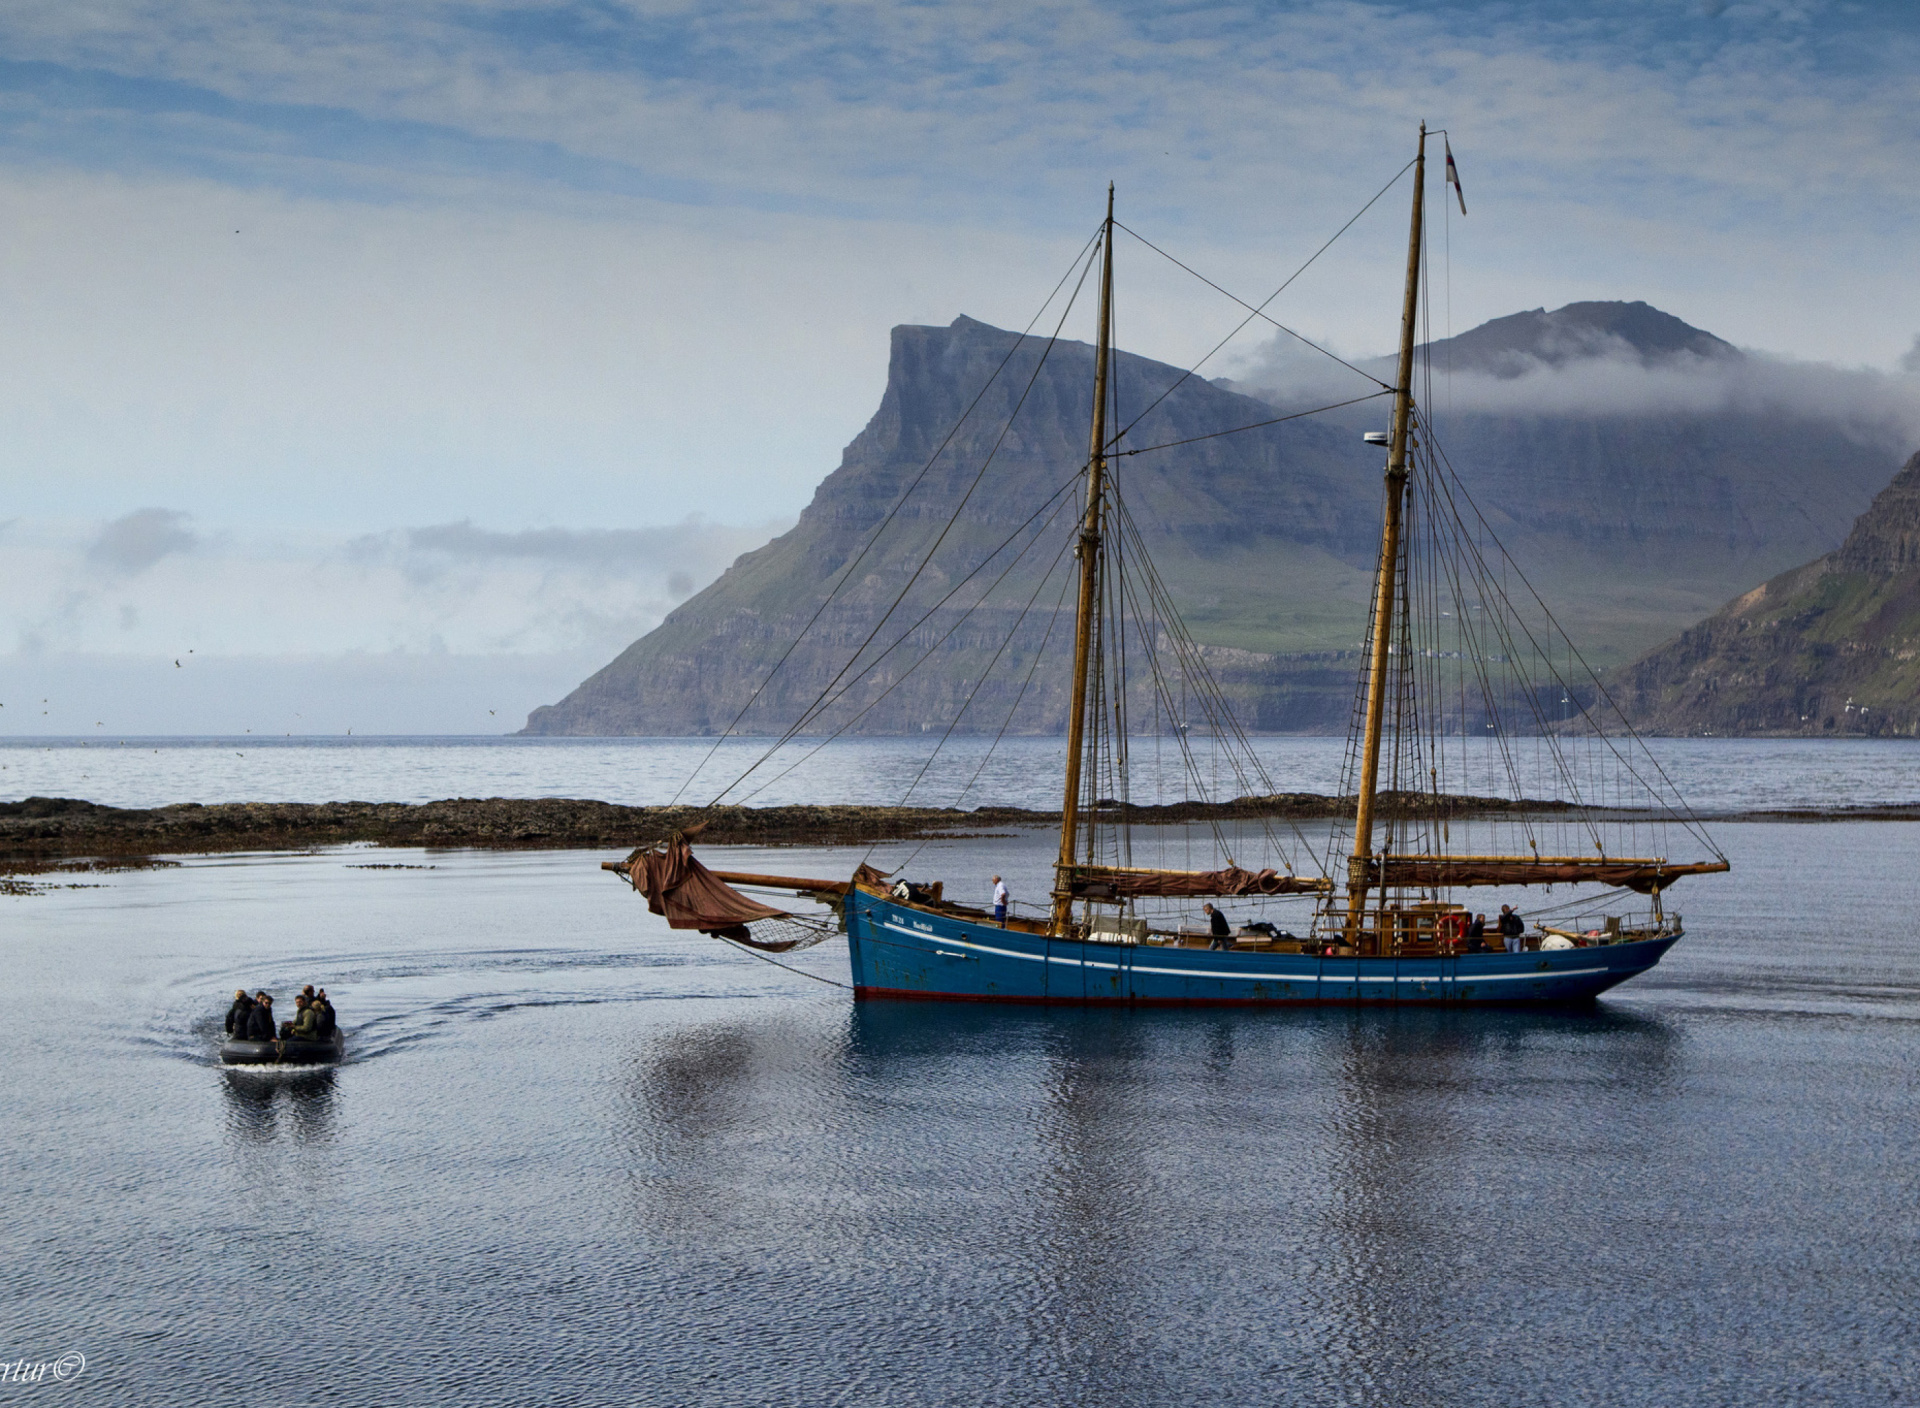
(395, 1001)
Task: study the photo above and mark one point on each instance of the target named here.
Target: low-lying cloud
(135, 542)
(690, 547)
(145, 625)
(147, 583)
(1874, 407)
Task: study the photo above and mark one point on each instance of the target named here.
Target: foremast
(1088, 552)
(1385, 585)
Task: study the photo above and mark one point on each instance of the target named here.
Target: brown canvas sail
(1106, 882)
(1644, 875)
(689, 895)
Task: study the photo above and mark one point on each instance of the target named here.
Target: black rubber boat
(290, 1052)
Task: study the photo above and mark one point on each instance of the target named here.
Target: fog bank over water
(272, 695)
(156, 622)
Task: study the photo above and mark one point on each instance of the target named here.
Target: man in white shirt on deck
(999, 902)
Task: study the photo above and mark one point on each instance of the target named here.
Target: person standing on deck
(1512, 927)
(1000, 898)
(1219, 930)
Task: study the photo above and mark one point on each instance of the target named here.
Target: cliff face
(1635, 525)
(1831, 647)
(1274, 526)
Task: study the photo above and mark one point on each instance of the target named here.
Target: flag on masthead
(1453, 176)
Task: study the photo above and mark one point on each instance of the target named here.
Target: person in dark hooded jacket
(324, 1005)
(260, 1020)
(238, 1013)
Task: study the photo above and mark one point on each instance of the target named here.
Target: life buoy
(1450, 928)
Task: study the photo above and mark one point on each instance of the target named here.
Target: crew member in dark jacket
(1512, 927)
(1221, 931)
(324, 1005)
(238, 1013)
(260, 1020)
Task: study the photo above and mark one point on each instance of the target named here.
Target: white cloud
(329, 365)
(134, 542)
(539, 253)
(452, 587)
(1873, 406)
(265, 614)
(300, 270)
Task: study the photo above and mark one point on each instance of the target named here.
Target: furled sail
(1648, 876)
(689, 895)
(1112, 882)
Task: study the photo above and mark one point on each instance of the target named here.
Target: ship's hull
(901, 951)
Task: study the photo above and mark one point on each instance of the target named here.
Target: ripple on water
(573, 1157)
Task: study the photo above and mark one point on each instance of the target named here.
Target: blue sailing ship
(1391, 928)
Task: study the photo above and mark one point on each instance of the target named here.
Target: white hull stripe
(1322, 977)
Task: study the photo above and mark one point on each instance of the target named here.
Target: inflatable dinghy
(290, 1052)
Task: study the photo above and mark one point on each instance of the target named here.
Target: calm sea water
(576, 1158)
(1714, 774)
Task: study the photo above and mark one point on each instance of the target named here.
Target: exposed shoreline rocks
(44, 828)
(43, 834)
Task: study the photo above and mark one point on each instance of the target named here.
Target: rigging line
(1260, 311)
(823, 702)
(928, 655)
(1190, 763)
(830, 695)
(1213, 699)
(812, 709)
(1586, 807)
(1210, 696)
(1253, 313)
(1082, 261)
(1690, 820)
(1187, 652)
(1039, 654)
(1481, 654)
(987, 669)
(1119, 760)
(1257, 425)
(768, 958)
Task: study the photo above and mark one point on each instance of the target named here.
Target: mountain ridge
(1266, 539)
(1519, 343)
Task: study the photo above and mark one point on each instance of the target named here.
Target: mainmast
(1384, 583)
(1089, 554)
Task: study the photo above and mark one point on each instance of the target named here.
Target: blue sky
(305, 273)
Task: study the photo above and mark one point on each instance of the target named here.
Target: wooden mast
(1089, 554)
(1384, 583)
